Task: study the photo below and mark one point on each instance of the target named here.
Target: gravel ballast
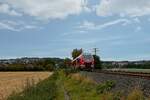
(124, 84)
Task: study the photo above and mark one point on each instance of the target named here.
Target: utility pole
(95, 50)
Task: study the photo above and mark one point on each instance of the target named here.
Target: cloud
(87, 25)
(49, 9)
(5, 9)
(130, 8)
(111, 23)
(77, 32)
(6, 26)
(137, 20)
(83, 27)
(86, 6)
(15, 25)
(92, 26)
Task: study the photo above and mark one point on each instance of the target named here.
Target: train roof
(82, 54)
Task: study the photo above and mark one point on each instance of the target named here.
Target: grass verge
(68, 86)
(44, 90)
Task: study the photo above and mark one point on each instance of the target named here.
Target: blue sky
(53, 28)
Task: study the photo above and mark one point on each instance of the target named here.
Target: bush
(70, 70)
(49, 67)
(108, 85)
(97, 62)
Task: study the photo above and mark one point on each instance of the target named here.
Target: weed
(104, 87)
(44, 90)
(61, 86)
(136, 94)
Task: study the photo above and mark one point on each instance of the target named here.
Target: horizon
(67, 57)
(119, 28)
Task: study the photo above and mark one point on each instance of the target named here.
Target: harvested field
(15, 81)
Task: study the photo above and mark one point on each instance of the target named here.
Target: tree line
(43, 64)
(50, 64)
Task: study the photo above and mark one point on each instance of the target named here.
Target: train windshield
(88, 57)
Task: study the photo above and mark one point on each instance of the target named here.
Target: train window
(87, 56)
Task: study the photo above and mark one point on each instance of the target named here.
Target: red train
(84, 61)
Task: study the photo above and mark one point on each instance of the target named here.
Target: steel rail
(131, 74)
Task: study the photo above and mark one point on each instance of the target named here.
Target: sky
(53, 28)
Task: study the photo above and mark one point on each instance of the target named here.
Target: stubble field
(15, 81)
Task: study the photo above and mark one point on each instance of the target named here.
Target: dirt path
(15, 81)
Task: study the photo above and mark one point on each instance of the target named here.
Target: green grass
(63, 86)
(45, 90)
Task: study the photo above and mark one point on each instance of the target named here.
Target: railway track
(131, 74)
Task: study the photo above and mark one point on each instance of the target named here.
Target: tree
(76, 53)
(97, 62)
(49, 67)
(67, 62)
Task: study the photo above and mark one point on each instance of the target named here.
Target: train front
(88, 61)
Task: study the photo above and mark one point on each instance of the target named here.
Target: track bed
(124, 83)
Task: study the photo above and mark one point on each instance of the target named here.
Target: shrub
(70, 70)
(49, 67)
(104, 87)
(97, 62)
